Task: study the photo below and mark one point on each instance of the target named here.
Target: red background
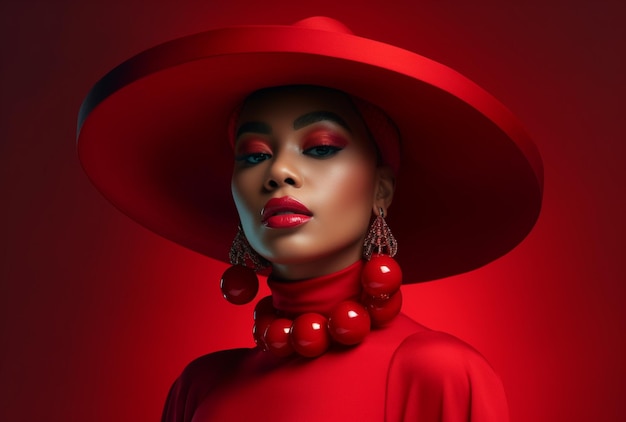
(98, 315)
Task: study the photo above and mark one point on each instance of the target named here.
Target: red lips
(285, 212)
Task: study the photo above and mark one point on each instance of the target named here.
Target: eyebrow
(254, 127)
(299, 123)
(318, 116)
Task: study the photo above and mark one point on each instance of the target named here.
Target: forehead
(291, 102)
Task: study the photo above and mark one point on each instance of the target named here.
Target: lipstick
(284, 213)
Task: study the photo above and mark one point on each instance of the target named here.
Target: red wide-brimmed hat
(153, 138)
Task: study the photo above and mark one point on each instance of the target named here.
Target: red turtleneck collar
(320, 294)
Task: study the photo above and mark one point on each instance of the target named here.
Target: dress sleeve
(435, 377)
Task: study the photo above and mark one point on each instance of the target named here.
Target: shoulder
(212, 366)
(435, 354)
(436, 376)
(196, 381)
(207, 371)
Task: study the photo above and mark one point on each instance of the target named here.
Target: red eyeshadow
(325, 138)
(251, 146)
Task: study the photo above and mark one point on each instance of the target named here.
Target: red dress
(403, 372)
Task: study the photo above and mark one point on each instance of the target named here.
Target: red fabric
(403, 372)
(320, 295)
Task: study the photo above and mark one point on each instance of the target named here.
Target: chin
(308, 253)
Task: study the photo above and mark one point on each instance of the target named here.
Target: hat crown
(323, 23)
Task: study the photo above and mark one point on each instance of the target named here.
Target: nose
(282, 172)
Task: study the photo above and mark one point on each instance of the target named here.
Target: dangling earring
(379, 239)
(382, 276)
(239, 283)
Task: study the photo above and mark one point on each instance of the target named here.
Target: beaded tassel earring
(382, 276)
(239, 283)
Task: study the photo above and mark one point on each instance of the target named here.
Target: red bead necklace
(310, 334)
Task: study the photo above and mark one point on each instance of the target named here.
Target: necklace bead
(349, 323)
(309, 335)
(383, 310)
(277, 337)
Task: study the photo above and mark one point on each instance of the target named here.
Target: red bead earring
(239, 283)
(382, 276)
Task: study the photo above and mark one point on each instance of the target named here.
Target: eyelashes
(323, 144)
(251, 159)
(320, 144)
(322, 151)
(252, 151)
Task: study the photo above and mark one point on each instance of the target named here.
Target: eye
(322, 151)
(253, 158)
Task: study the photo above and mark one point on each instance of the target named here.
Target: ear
(385, 186)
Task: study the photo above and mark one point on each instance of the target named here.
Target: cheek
(240, 189)
(350, 188)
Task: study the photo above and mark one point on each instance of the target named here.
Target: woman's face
(305, 179)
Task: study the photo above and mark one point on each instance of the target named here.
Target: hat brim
(152, 137)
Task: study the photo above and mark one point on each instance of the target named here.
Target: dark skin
(308, 144)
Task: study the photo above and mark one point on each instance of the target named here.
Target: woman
(327, 130)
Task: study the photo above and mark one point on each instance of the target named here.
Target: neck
(318, 294)
(329, 263)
